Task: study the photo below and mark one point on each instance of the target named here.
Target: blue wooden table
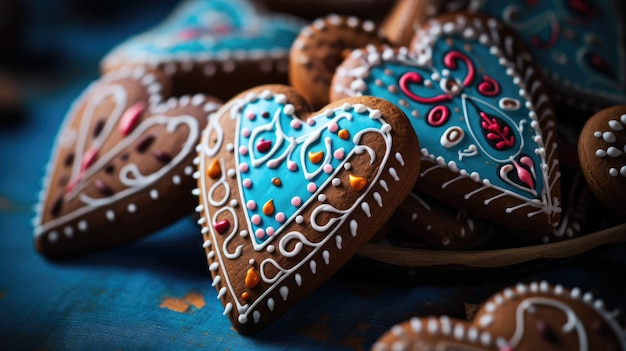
(156, 293)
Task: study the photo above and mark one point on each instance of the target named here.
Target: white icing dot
(613, 172)
(597, 135)
(234, 203)
(68, 231)
(326, 256)
(53, 237)
(82, 226)
(336, 182)
(132, 208)
(270, 248)
(154, 194)
(284, 292)
(299, 219)
(622, 171)
(623, 118)
(615, 125)
(110, 215)
(188, 170)
(609, 137)
(321, 198)
(270, 304)
(176, 179)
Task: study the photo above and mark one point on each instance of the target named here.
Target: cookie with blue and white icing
(287, 195)
(579, 44)
(217, 47)
(121, 166)
(482, 113)
(530, 316)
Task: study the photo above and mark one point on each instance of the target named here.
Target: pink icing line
(414, 77)
(131, 117)
(450, 61)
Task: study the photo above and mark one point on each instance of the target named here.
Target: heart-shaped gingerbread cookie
(535, 316)
(579, 44)
(217, 47)
(287, 195)
(483, 116)
(122, 164)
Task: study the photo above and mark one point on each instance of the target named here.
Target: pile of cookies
(296, 134)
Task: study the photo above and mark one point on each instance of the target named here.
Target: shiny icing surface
(471, 110)
(579, 43)
(268, 211)
(212, 30)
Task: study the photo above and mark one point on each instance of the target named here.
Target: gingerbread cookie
(535, 316)
(216, 47)
(601, 150)
(406, 15)
(320, 48)
(122, 164)
(287, 196)
(580, 45)
(483, 116)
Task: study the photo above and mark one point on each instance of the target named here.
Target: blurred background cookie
(214, 47)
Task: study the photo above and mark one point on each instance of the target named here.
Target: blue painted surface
(111, 300)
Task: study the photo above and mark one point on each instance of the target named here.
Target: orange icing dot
(344, 134)
(245, 295)
(316, 156)
(214, 169)
(357, 183)
(268, 208)
(276, 181)
(252, 278)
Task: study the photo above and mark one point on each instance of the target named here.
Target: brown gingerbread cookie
(287, 195)
(219, 47)
(122, 165)
(405, 16)
(482, 113)
(320, 48)
(535, 316)
(602, 154)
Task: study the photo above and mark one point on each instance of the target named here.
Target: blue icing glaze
(584, 46)
(468, 101)
(208, 27)
(290, 144)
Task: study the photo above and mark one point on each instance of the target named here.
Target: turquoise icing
(488, 159)
(565, 43)
(290, 144)
(210, 27)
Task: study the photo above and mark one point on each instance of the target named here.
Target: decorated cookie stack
(295, 142)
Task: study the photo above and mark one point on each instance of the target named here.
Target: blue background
(111, 300)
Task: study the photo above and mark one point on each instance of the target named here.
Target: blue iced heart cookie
(484, 120)
(230, 44)
(287, 195)
(580, 44)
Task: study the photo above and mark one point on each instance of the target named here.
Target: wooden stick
(493, 258)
